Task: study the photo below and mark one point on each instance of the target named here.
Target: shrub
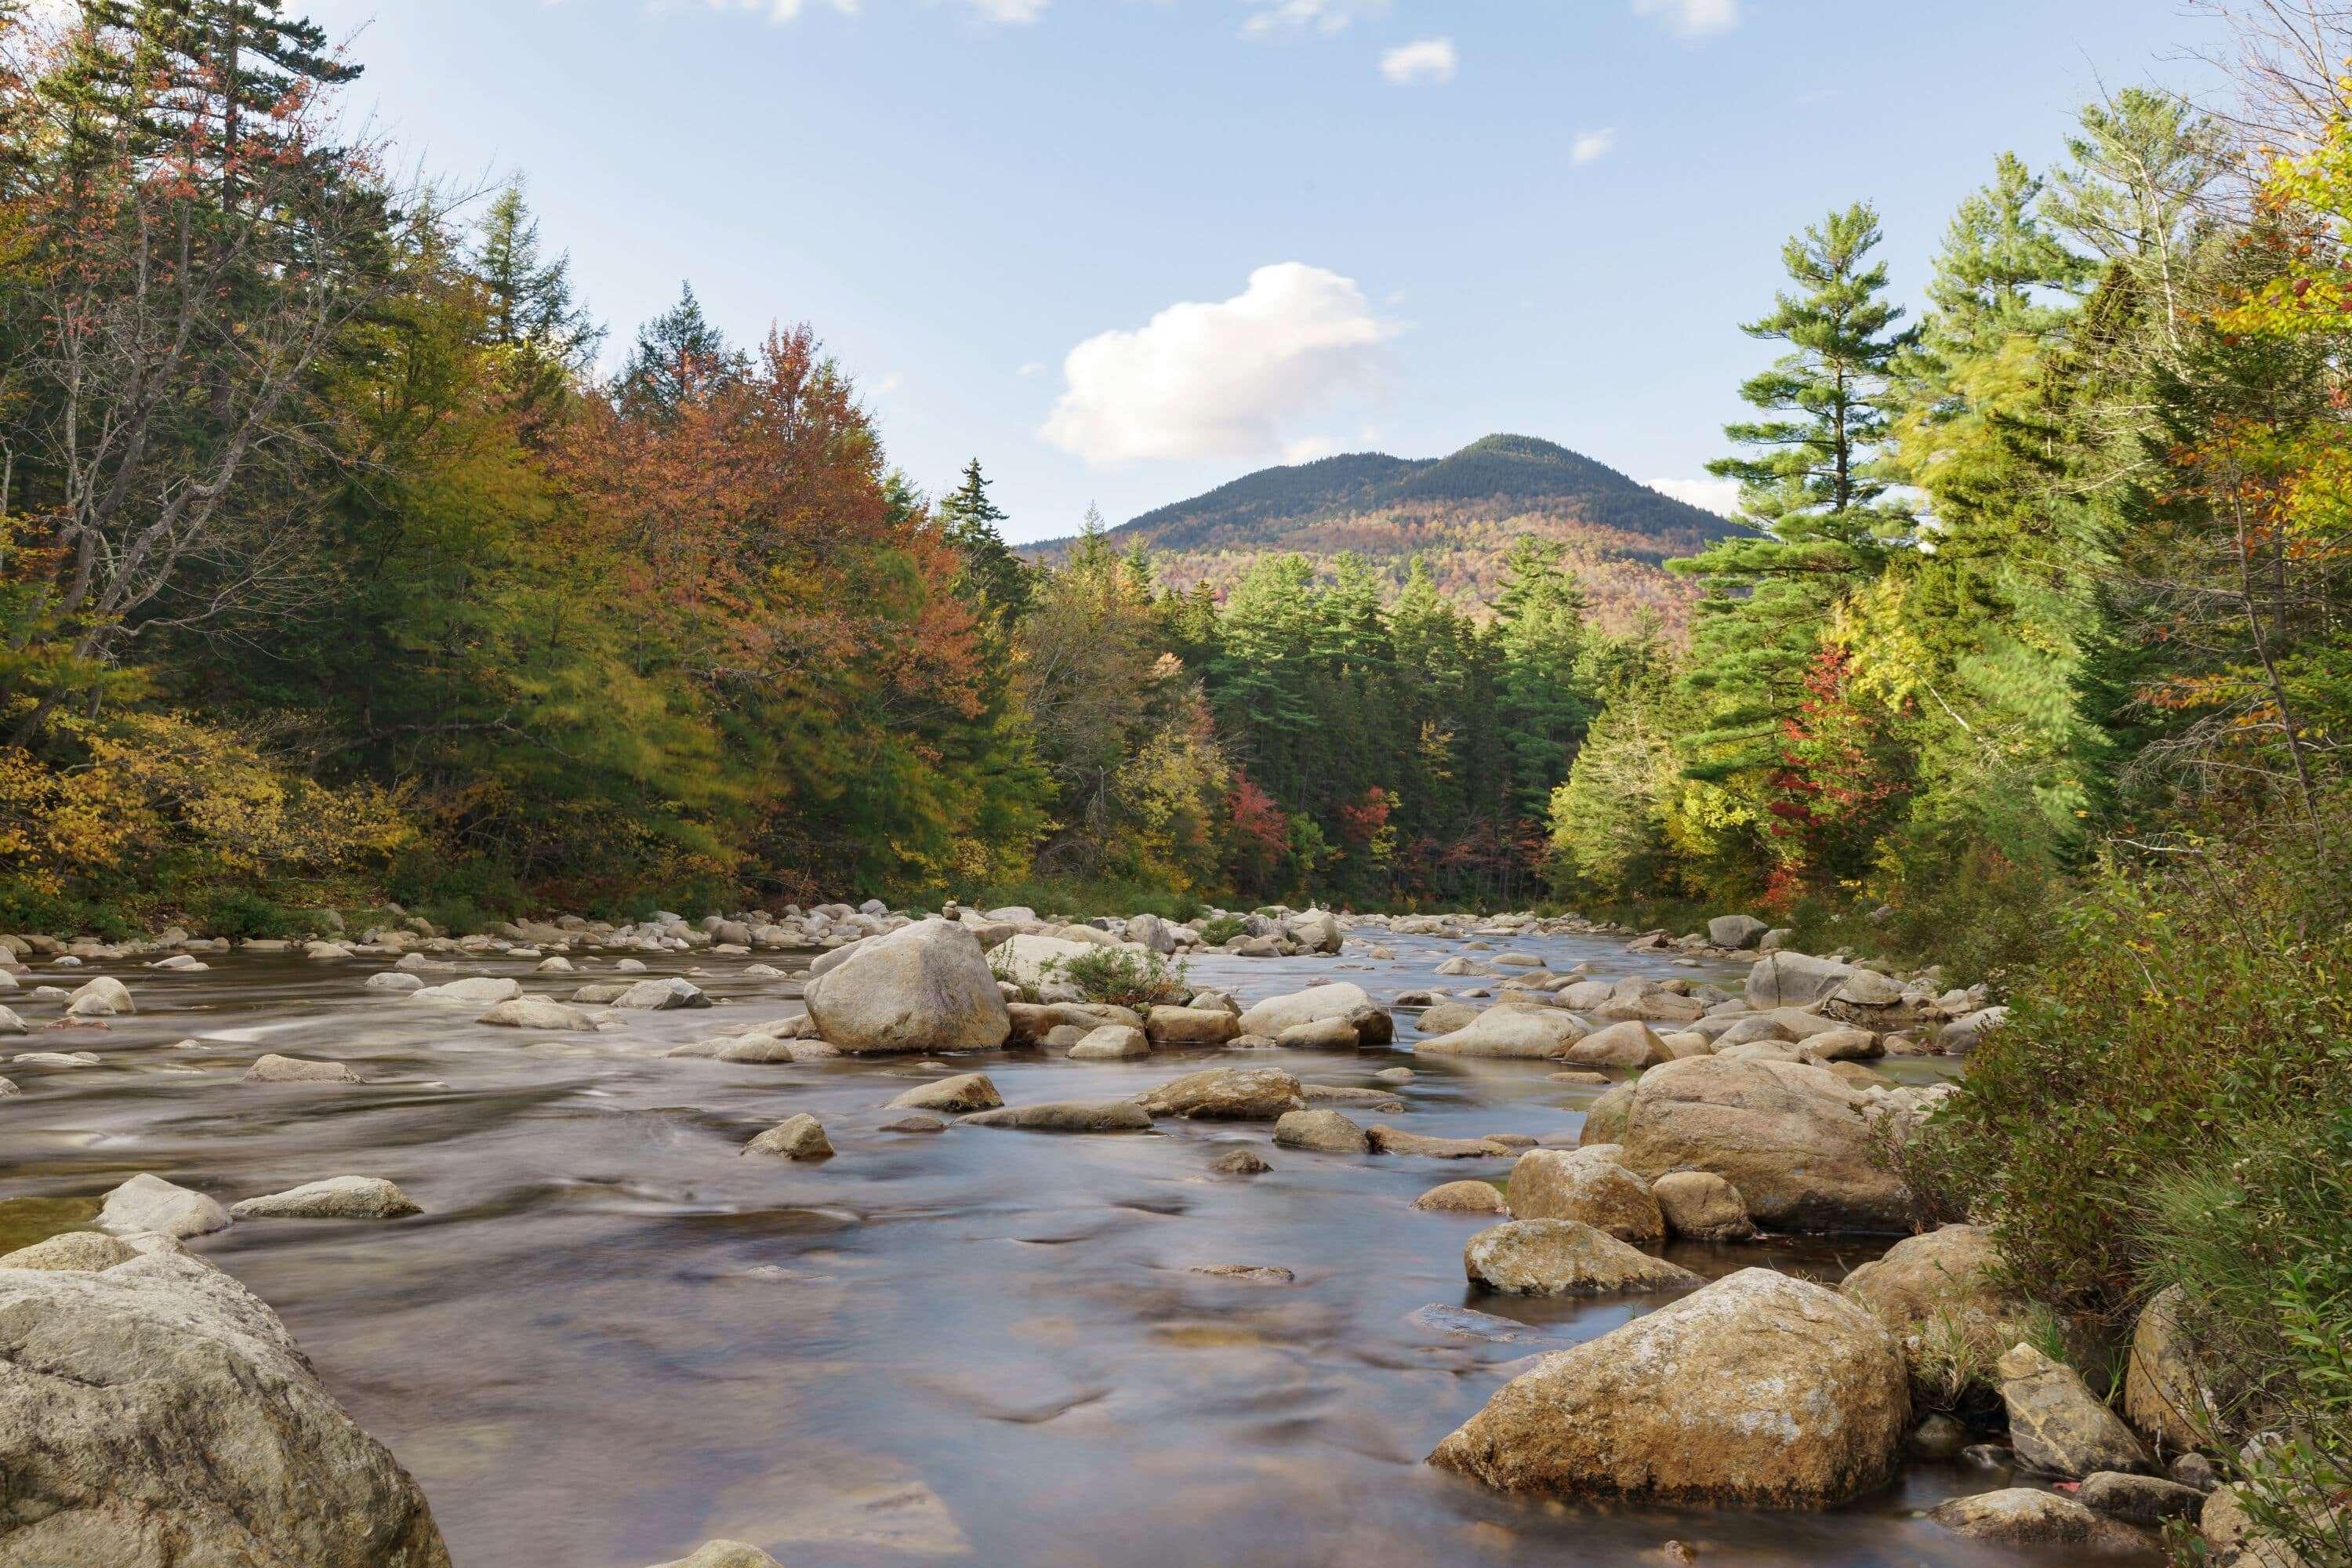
(1123, 977)
(1222, 930)
(2171, 1103)
(244, 914)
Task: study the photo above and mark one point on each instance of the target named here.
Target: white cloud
(1012, 13)
(1307, 448)
(1425, 60)
(1277, 18)
(1205, 380)
(1693, 18)
(1590, 146)
(1034, 367)
(1720, 497)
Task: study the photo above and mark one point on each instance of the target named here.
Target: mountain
(1460, 512)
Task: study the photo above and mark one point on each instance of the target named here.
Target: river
(611, 1337)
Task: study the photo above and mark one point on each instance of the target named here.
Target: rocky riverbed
(638, 1307)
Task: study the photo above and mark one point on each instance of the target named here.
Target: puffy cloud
(1425, 60)
(1008, 11)
(1590, 146)
(1276, 18)
(1693, 18)
(1222, 379)
(1720, 497)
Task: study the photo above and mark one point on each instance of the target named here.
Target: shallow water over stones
(611, 1336)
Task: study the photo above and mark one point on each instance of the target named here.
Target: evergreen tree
(545, 336)
(997, 581)
(679, 356)
(1540, 619)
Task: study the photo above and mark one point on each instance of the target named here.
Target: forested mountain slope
(1460, 512)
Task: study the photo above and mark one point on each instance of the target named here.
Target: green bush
(2171, 1104)
(1124, 976)
(1222, 930)
(1081, 900)
(243, 913)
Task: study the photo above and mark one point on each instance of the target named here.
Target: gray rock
(392, 980)
(337, 1197)
(480, 990)
(158, 1414)
(662, 995)
(537, 1013)
(1275, 1013)
(150, 1203)
(724, 1555)
(1794, 979)
(1067, 1116)
(925, 987)
(1226, 1094)
(1240, 1161)
(101, 997)
(1736, 932)
(1111, 1042)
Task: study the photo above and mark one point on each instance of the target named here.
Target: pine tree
(679, 356)
(997, 581)
(545, 336)
(1540, 619)
(1811, 486)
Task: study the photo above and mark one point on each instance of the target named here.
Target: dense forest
(343, 556)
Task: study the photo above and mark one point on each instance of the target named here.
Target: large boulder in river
(1794, 980)
(2027, 1518)
(1759, 1391)
(1275, 1013)
(1036, 964)
(1512, 1032)
(924, 987)
(1316, 930)
(1793, 1138)
(157, 1415)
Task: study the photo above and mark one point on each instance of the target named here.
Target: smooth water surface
(611, 1336)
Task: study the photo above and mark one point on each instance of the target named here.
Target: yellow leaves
(151, 783)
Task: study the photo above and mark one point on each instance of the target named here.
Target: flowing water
(611, 1337)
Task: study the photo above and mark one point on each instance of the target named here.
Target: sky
(1125, 251)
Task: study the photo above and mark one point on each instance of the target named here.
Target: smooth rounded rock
(1564, 1258)
(1582, 1185)
(337, 1197)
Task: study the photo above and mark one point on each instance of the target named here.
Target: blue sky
(1123, 251)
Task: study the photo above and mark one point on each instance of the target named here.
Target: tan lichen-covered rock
(964, 1091)
(1582, 1184)
(1699, 1206)
(1420, 1145)
(2163, 1395)
(2232, 1539)
(1605, 1117)
(1225, 1094)
(1630, 1044)
(1793, 1138)
(1112, 1042)
(1448, 1197)
(2057, 1424)
(1564, 1258)
(158, 1414)
(87, 1251)
(924, 987)
(2022, 1516)
(800, 1137)
(1322, 1132)
(275, 1068)
(1760, 1390)
(148, 1201)
(724, 1555)
(1067, 1116)
(1320, 1034)
(1190, 1026)
(1942, 1295)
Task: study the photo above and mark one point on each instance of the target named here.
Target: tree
(546, 339)
(995, 579)
(1540, 618)
(678, 357)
